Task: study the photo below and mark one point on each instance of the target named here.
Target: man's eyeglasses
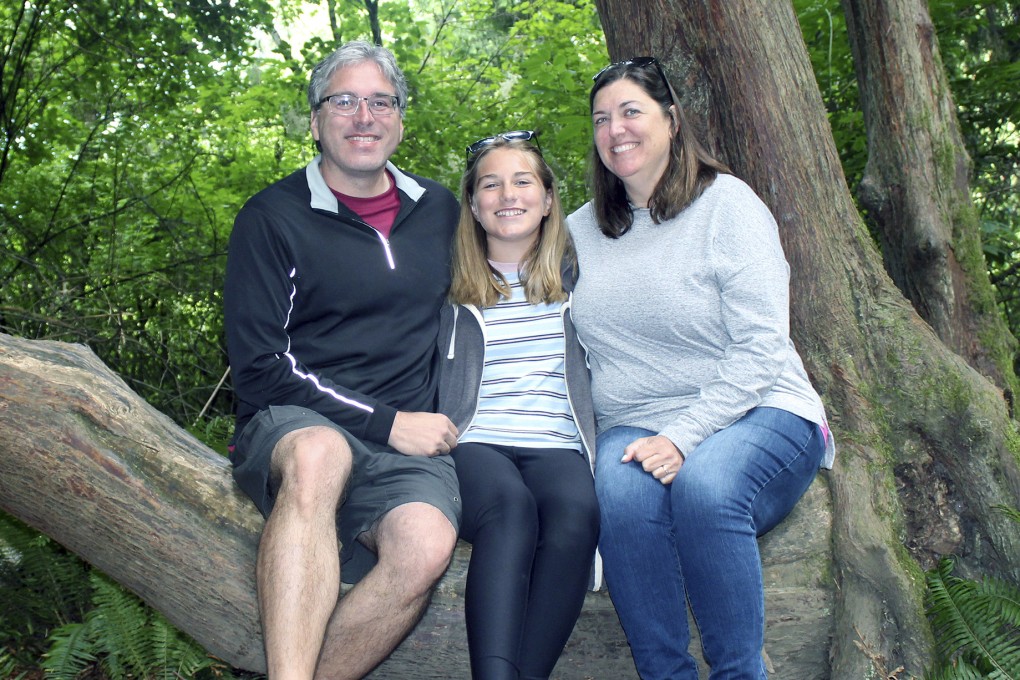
(348, 104)
(511, 136)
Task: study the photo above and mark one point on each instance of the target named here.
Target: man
(335, 277)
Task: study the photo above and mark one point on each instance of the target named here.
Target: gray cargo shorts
(382, 479)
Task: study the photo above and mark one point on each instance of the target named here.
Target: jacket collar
(323, 199)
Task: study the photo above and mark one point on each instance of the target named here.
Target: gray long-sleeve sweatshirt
(686, 323)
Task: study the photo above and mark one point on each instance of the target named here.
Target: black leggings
(532, 518)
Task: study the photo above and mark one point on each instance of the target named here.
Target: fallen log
(86, 461)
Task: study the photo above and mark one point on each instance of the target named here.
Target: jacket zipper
(385, 244)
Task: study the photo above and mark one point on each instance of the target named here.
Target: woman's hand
(658, 456)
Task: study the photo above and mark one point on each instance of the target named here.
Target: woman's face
(632, 136)
(509, 202)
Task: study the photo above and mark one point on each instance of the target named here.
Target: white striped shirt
(523, 396)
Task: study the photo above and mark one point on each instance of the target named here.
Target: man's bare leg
(414, 543)
(298, 569)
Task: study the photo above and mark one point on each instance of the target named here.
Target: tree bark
(87, 462)
(916, 183)
(926, 448)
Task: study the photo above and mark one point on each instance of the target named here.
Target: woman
(708, 429)
(514, 382)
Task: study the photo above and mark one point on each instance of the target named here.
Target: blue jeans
(694, 541)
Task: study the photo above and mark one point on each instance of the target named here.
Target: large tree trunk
(916, 183)
(88, 462)
(924, 440)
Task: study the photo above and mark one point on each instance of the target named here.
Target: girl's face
(632, 136)
(509, 202)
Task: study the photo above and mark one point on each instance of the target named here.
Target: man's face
(355, 148)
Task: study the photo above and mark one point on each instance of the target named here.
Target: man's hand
(658, 456)
(422, 434)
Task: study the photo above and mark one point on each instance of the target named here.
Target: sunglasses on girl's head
(514, 135)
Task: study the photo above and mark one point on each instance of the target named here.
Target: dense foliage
(133, 133)
(111, 232)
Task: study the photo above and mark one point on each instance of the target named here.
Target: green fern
(66, 618)
(42, 586)
(39, 579)
(1002, 601)
(70, 652)
(1012, 513)
(959, 670)
(974, 623)
(179, 657)
(121, 633)
(134, 641)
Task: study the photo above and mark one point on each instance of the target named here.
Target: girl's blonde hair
(475, 281)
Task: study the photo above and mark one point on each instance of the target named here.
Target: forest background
(133, 132)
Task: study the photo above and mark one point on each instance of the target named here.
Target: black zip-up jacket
(324, 312)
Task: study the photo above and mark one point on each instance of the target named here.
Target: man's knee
(417, 540)
(438, 539)
(313, 465)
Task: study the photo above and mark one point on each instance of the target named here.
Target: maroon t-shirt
(377, 211)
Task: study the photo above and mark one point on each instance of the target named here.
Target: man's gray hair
(351, 54)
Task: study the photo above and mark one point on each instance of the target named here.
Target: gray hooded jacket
(462, 355)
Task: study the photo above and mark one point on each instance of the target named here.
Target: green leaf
(974, 622)
(70, 652)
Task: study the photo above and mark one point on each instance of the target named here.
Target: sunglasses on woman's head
(641, 62)
(514, 135)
